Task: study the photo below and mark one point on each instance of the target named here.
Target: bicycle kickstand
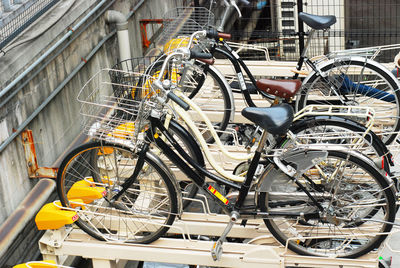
(216, 250)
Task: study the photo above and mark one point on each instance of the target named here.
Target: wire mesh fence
(273, 24)
(17, 15)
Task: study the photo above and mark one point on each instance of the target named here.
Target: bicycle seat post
(304, 52)
(310, 37)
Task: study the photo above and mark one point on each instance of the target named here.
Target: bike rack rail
(258, 250)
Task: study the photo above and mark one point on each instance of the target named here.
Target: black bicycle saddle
(317, 22)
(276, 119)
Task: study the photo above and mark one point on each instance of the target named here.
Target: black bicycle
(316, 200)
(193, 82)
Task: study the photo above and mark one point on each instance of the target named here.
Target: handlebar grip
(224, 35)
(200, 55)
(178, 100)
(213, 34)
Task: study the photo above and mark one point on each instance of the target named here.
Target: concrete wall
(56, 127)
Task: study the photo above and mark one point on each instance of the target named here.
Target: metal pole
(301, 26)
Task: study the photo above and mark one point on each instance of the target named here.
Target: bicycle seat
(317, 22)
(281, 88)
(276, 119)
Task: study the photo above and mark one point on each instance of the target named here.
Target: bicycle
(345, 130)
(338, 192)
(191, 79)
(345, 80)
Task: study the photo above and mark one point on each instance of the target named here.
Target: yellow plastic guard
(86, 191)
(52, 216)
(107, 180)
(123, 131)
(37, 264)
(175, 43)
(106, 150)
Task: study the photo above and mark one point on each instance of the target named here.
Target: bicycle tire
(141, 215)
(364, 82)
(344, 217)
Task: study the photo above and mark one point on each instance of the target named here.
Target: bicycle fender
(228, 87)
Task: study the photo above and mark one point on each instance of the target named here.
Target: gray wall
(58, 125)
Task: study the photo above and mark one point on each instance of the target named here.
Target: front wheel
(355, 81)
(142, 214)
(358, 206)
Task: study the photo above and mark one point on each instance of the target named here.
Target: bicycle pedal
(216, 250)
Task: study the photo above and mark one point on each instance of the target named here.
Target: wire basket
(115, 105)
(183, 21)
(184, 76)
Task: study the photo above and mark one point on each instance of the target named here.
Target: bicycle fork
(139, 165)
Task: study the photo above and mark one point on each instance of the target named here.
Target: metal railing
(17, 15)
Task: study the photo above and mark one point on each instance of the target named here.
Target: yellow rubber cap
(86, 191)
(37, 264)
(52, 216)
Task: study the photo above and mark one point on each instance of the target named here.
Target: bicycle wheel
(356, 81)
(348, 189)
(140, 215)
(182, 136)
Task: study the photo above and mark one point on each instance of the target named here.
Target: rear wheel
(352, 82)
(348, 189)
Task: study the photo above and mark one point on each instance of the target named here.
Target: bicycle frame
(186, 117)
(199, 137)
(197, 173)
(238, 64)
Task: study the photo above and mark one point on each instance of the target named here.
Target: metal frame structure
(260, 250)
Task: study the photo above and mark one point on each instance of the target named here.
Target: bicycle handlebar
(227, 12)
(171, 95)
(200, 55)
(182, 53)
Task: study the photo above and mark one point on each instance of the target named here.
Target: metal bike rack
(261, 249)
